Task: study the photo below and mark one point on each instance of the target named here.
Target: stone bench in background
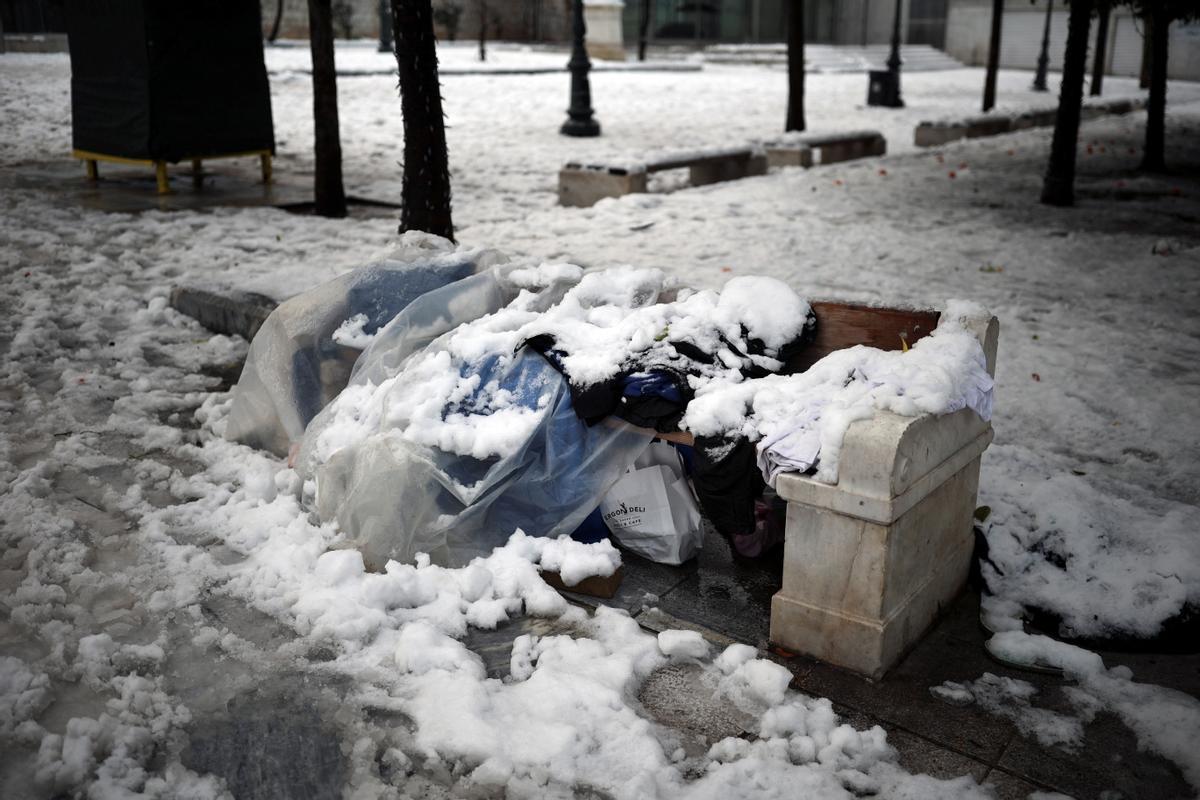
(581, 185)
(938, 132)
(802, 149)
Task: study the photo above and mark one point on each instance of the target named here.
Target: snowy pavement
(155, 580)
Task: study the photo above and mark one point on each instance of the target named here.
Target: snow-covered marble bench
(871, 560)
(796, 149)
(582, 185)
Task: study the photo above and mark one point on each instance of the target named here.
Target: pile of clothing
(652, 390)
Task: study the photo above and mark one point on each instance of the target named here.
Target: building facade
(960, 27)
(508, 20)
(968, 24)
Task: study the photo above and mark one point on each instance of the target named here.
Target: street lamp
(1039, 79)
(580, 121)
(884, 89)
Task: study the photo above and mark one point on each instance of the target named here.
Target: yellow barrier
(160, 167)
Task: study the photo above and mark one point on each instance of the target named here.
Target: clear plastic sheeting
(428, 317)
(295, 367)
(395, 497)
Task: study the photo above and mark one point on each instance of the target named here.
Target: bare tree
(1058, 186)
(1159, 16)
(328, 193)
(1147, 36)
(1105, 11)
(795, 54)
(274, 34)
(425, 186)
(483, 30)
(993, 62)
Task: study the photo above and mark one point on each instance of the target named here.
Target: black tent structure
(162, 82)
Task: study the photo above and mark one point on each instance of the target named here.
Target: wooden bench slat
(823, 139)
(842, 325)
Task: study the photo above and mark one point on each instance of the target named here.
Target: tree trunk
(1156, 107)
(1101, 47)
(795, 53)
(483, 30)
(643, 29)
(1147, 37)
(425, 186)
(278, 20)
(1058, 187)
(328, 194)
(993, 62)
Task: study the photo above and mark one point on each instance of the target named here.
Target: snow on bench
(582, 185)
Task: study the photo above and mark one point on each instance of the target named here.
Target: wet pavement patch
(270, 746)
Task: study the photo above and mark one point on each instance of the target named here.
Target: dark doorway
(927, 23)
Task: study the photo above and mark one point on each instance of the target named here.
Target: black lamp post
(893, 62)
(1039, 79)
(884, 87)
(385, 27)
(580, 121)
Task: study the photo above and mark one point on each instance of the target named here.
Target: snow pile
(573, 560)
(352, 333)
(566, 718)
(113, 749)
(23, 694)
(941, 373)
(1165, 721)
(802, 749)
(1065, 544)
(1012, 699)
(614, 317)
(682, 645)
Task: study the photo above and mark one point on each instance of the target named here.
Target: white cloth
(794, 450)
(797, 448)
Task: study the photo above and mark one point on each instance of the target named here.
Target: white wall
(968, 26)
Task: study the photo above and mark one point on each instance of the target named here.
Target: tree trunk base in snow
(1058, 192)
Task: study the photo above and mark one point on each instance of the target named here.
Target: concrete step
(833, 58)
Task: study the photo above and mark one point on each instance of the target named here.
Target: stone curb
(231, 312)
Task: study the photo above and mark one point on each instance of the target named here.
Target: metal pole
(993, 62)
(580, 121)
(1043, 62)
(893, 62)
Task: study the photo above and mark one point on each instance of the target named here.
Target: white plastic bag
(651, 509)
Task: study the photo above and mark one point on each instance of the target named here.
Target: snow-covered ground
(152, 574)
